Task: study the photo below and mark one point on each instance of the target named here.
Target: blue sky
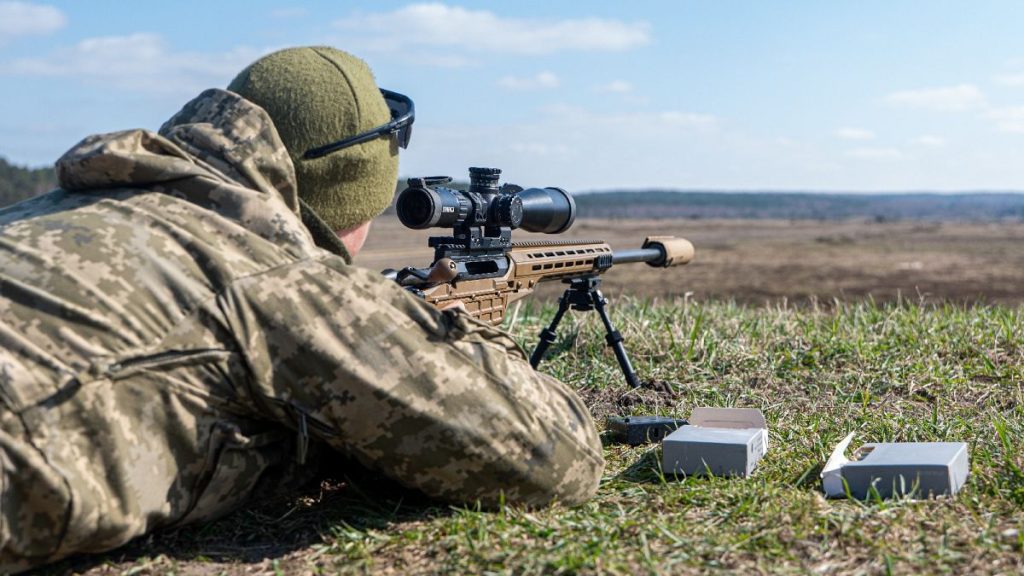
(838, 96)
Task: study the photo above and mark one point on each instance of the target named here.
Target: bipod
(584, 294)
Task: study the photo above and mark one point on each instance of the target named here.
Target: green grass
(903, 372)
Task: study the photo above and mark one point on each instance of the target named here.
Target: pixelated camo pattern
(167, 324)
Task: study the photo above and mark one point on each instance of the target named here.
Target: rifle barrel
(637, 255)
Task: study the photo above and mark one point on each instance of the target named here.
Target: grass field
(901, 371)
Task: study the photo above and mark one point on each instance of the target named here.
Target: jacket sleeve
(436, 400)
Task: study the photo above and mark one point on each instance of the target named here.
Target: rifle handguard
(676, 251)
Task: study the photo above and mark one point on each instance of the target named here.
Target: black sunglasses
(402, 115)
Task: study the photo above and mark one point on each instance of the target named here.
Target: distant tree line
(801, 205)
(18, 183)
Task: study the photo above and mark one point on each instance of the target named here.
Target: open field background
(757, 261)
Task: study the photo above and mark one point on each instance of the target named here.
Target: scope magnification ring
(508, 211)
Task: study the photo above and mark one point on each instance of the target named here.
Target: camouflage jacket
(169, 326)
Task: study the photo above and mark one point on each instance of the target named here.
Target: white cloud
(438, 25)
(26, 19)
(543, 149)
(540, 81)
(629, 122)
(441, 60)
(629, 149)
(139, 62)
(929, 141)
(961, 97)
(1008, 119)
(854, 134)
(875, 153)
(616, 86)
(1010, 80)
(637, 149)
(686, 119)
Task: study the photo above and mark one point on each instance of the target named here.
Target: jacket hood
(219, 137)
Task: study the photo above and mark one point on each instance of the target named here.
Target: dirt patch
(653, 396)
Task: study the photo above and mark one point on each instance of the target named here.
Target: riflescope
(428, 203)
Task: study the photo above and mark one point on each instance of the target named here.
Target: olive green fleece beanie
(316, 96)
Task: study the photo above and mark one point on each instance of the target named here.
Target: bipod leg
(547, 335)
(614, 339)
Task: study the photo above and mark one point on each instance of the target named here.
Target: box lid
(703, 435)
(731, 419)
(727, 418)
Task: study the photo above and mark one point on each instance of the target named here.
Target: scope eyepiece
(425, 203)
(420, 206)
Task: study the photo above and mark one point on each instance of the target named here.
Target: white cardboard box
(718, 441)
(915, 469)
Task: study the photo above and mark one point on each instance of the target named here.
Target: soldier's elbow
(565, 468)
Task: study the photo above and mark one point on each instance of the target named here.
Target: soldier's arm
(436, 400)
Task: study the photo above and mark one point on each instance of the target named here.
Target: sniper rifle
(481, 267)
